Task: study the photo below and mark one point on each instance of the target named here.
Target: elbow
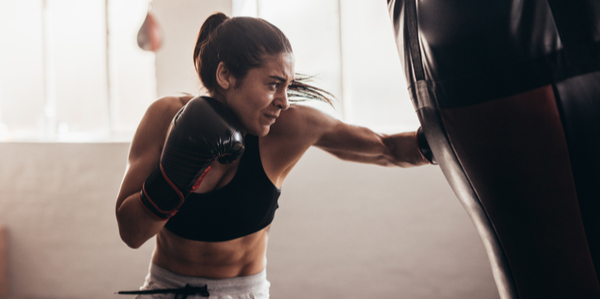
(131, 242)
(128, 235)
(134, 245)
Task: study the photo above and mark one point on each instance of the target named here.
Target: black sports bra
(245, 205)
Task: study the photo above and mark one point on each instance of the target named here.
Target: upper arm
(306, 126)
(146, 146)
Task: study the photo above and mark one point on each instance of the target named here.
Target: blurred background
(74, 84)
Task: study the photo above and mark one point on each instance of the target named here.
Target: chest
(260, 154)
(218, 176)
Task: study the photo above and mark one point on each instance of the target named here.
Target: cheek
(258, 104)
(248, 114)
(250, 105)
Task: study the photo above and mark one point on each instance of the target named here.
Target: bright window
(66, 75)
(71, 70)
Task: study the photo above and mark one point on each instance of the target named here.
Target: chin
(262, 131)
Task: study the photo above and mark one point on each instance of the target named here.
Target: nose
(281, 101)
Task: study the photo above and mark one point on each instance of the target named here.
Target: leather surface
(514, 153)
(580, 106)
(506, 92)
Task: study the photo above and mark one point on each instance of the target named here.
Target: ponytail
(207, 28)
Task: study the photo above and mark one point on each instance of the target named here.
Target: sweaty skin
(285, 133)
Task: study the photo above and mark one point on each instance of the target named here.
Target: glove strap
(161, 198)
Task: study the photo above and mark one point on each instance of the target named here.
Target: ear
(225, 79)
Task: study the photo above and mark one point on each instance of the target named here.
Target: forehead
(280, 65)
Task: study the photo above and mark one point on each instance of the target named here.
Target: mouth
(271, 117)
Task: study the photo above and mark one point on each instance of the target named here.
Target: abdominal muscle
(239, 257)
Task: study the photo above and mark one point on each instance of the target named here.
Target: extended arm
(360, 144)
(392, 150)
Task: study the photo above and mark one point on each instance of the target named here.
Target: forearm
(376, 159)
(402, 150)
(385, 150)
(136, 225)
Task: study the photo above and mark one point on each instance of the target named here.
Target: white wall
(57, 203)
(181, 21)
(343, 230)
(347, 230)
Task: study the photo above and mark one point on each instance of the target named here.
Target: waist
(256, 283)
(240, 257)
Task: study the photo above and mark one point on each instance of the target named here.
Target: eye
(274, 85)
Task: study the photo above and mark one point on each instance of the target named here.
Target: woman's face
(261, 96)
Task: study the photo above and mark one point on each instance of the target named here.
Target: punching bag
(508, 95)
(150, 36)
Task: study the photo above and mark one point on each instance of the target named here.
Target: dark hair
(241, 43)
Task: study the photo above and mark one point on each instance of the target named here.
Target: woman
(214, 240)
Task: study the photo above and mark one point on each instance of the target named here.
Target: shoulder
(297, 129)
(154, 125)
(302, 120)
(164, 109)
(168, 106)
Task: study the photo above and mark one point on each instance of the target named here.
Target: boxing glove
(424, 147)
(203, 131)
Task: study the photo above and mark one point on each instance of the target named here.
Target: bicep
(138, 169)
(145, 149)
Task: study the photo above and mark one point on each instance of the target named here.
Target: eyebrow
(277, 77)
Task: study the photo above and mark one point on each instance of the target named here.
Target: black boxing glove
(203, 131)
(424, 147)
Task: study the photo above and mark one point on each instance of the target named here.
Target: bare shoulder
(161, 112)
(302, 121)
(168, 106)
(296, 129)
(153, 127)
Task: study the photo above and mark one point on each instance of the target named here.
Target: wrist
(159, 196)
(423, 147)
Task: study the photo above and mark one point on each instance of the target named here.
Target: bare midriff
(239, 257)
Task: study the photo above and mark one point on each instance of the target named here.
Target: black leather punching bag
(508, 95)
